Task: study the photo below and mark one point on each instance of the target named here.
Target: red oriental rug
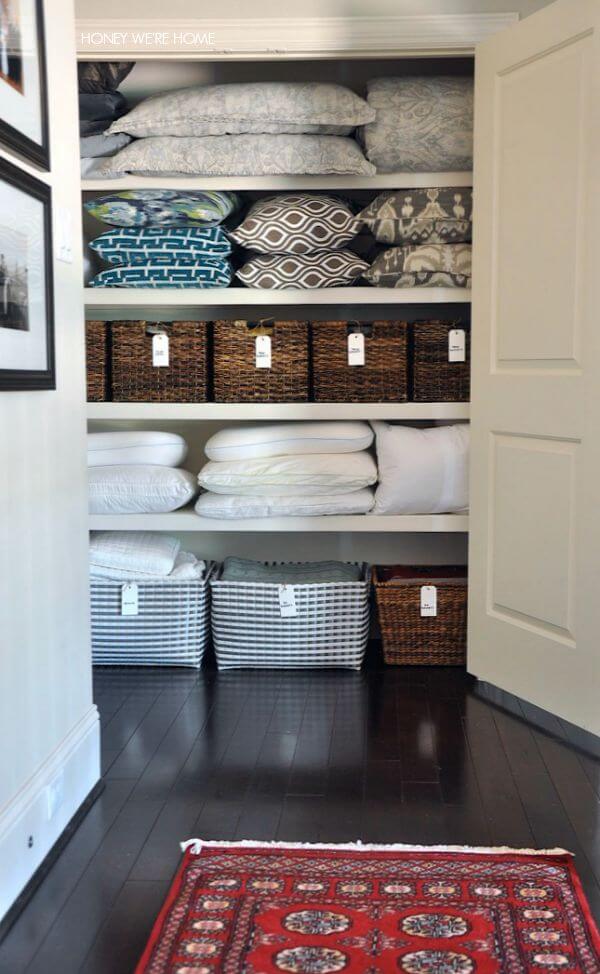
(251, 908)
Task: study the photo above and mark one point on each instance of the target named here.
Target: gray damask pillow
(322, 268)
(239, 155)
(430, 265)
(251, 107)
(296, 223)
(423, 124)
(419, 216)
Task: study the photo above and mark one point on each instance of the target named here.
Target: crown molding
(285, 37)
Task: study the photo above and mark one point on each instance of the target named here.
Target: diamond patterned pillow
(297, 223)
(322, 268)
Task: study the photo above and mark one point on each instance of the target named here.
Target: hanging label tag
(457, 345)
(356, 348)
(428, 600)
(263, 351)
(160, 350)
(129, 599)
(287, 601)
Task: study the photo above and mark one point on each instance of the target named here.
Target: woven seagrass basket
(435, 379)
(96, 352)
(236, 375)
(383, 377)
(136, 379)
(410, 638)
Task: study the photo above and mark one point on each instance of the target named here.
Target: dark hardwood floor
(386, 755)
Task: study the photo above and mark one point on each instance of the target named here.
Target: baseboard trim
(543, 720)
(48, 861)
(35, 817)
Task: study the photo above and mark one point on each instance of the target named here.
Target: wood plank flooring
(385, 755)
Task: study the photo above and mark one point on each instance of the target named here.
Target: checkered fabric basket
(171, 628)
(331, 627)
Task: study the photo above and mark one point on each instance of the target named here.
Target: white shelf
(187, 520)
(280, 412)
(395, 180)
(107, 298)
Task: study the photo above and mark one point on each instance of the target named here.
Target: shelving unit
(394, 180)
(256, 412)
(187, 520)
(99, 298)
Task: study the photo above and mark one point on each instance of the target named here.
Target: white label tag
(160, 350)
(428, 600)
(287, 601)
(457, 345)
(356, 348)
(129, 599)
(263, 352)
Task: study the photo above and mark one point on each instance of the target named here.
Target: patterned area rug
(251, 908)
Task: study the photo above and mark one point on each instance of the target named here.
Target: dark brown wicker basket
(383, 377)
(410, 638)
(136, 379)
(236, 377)
(96, 353)
(435, 379)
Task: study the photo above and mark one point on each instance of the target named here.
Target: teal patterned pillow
(177, 274)
(160, 245)
(163, 207)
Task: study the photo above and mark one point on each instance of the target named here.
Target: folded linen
(141, 552)
(291, 476)
(234, 506)
(98, 146)
(304, 573)
(187, 568)
(288, 439)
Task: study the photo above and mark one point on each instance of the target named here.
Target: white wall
(48, 725)
(298, 8)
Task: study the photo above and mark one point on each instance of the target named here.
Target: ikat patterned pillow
(160, 245)
(420, 216)
(297, 223)
(162, 207)
(177, 274)
(321, 268)
(430, 265)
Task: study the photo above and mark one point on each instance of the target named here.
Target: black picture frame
(30, 379)
(10, 137)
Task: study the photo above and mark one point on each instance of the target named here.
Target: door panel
(534, 616)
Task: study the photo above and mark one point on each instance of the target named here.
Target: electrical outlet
(63, 234)
(54, 797)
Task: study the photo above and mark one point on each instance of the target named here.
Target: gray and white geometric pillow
(321, 268)
(296, 223)
(430, 265)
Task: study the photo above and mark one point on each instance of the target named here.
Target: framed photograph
(23, 87)
(26, 288)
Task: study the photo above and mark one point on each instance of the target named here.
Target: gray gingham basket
(171, 628)
(330, 629)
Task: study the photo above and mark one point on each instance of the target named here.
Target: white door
(534, 616)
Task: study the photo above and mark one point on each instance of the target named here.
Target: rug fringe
(196, 845)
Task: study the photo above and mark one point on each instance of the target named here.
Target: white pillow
(288, 439)
(232, 505)
(140, 552)
(141, 489)
(422, 471)
(291, 476)
(137, 446)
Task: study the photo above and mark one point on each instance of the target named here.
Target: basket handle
(361, 327)
(155, 327)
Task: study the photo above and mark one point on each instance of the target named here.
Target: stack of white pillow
(138, 472)
(141, 556)
(286, 469)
